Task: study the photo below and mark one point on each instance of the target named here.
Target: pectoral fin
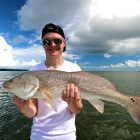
(48, 99)
(46, 94)
(50, 104)
(98, 104)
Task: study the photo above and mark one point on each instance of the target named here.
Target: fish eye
(10, 81)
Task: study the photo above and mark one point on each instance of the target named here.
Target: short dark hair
(52, 28)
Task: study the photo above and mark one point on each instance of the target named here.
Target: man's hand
(71, 95)
(26, 107)
(20, 103)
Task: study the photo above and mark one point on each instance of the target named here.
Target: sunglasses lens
(58, 41)
(46, 42)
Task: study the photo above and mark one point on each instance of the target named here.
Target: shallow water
(114, 123)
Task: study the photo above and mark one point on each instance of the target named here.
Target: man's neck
(54, 63)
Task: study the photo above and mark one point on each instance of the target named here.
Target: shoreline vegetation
(13, 70)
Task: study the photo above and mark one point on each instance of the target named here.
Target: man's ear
(64, 45)
(64, 42)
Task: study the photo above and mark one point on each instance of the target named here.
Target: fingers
(64, 94)
(17, 100)
(70, 93)
(20, 103)
(77, 94)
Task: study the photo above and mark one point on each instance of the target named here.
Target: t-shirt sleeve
(77, 67)
(37, 67)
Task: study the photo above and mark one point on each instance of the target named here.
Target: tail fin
(134, 108)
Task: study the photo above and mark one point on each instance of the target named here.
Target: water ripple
(114, 124)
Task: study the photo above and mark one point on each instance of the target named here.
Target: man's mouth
(54, 49)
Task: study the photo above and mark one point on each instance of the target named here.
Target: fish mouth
(5, 87)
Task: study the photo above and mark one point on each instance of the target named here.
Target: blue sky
(102, 35)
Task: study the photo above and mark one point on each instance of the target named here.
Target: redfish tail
(134, 108)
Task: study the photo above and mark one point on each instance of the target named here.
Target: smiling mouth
(55, 49)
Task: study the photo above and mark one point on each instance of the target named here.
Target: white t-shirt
(50, 125)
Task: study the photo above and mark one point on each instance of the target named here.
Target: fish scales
(84, 82)
(48, 85)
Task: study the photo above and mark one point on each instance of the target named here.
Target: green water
(114, 124)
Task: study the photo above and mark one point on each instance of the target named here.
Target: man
(47, 124)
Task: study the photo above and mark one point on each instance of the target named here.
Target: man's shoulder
(71, 66)
(70, 63)
(39, 66)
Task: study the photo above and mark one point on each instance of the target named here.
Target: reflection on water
(13, 125)
(114, 123)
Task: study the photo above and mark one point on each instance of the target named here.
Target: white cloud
(25, 57)
(111, 8)
(112, 32)
(71, 56)
(92, 26)
(33, 52)
(120, 65)
(36, 13)
(20, 39)
(27, 64)
(105, 67)
(35, 38)
(6, 56)
(127, 64)
(14, 58)
(132, 63)
(126, 46)
(107, 55)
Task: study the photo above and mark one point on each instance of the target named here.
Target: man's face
(53, 44)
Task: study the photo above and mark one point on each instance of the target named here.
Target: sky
(101, 35)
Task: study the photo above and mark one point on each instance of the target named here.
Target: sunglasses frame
(48, 41)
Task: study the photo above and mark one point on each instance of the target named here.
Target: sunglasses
(48, 41)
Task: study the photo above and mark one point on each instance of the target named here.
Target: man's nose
(53, 43)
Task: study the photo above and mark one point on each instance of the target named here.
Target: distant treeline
(13, 70)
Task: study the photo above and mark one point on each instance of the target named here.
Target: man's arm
(26, 107)
(71, 95)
